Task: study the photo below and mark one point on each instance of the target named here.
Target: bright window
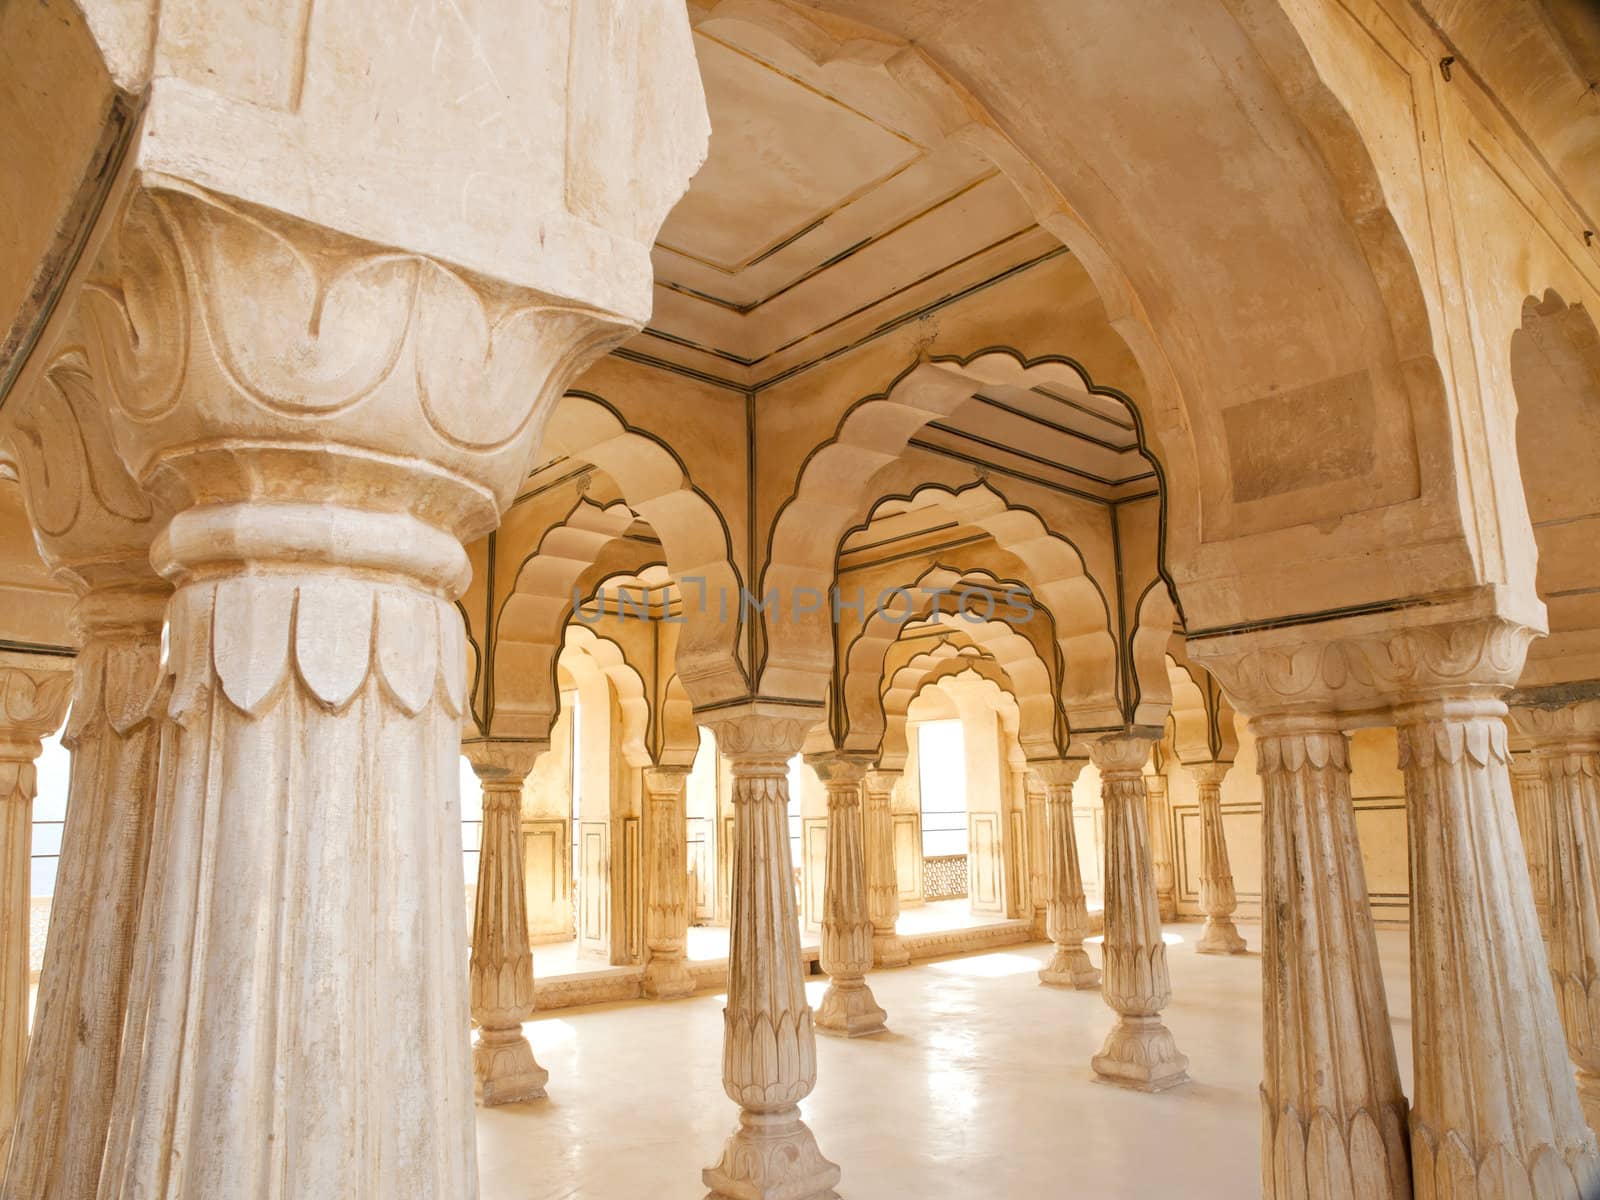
(471, 822)
(54, 767)
(942, 774)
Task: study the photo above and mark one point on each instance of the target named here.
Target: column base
(1220, 936)
(504, 1070)
(1070, 967)
(848, 1009)
(1140, 1053)
(771, 1156)
(889, 951)
(667, 979)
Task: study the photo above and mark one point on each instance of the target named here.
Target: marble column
(1566, 753)
(848, 1006)
(666, 916)
(1068, 911)
(1158, 815)
(769, 1054)
(1530, 797)
(94, 527)
(1217, 897)
(1140, 1051)
(1494, 1104)
(883, 883)
(1333, 1114)
(501, 967)
(1038, 823)
(333, 420)
(33, 698)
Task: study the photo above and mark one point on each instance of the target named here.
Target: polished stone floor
(982, 1089)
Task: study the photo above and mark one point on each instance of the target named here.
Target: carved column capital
(1544, 722)
(666, 780)
(502, 762)
(761, 735)
(1050, 773)
(1124, 755)
(879, 781)
(238, 345)
(92, 522)
(34, 693)
(1364, 666)
(840, 771)
(1210, 774)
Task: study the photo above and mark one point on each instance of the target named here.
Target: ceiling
(821, 216)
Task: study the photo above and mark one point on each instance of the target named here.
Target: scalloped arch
(1032, 678)
(895, 747)
(656, 485)
(583, 649)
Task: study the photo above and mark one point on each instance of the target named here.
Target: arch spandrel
(1202, 719)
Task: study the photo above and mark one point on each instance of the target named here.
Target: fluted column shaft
(17, 788)
(501, 967)
(666, 920)
(333, 420)
(883, 884)
(769, 1056)
(115, 739)
(1140, 1051)
(1530, 794)
(1333, 1115)
(1218, 900)
(1558, 810)
(1494, 1107)
(1038, 821)
(1571, 773)
(848, 1006)
(31, 706)
(1158, 817)
(1067, 910)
